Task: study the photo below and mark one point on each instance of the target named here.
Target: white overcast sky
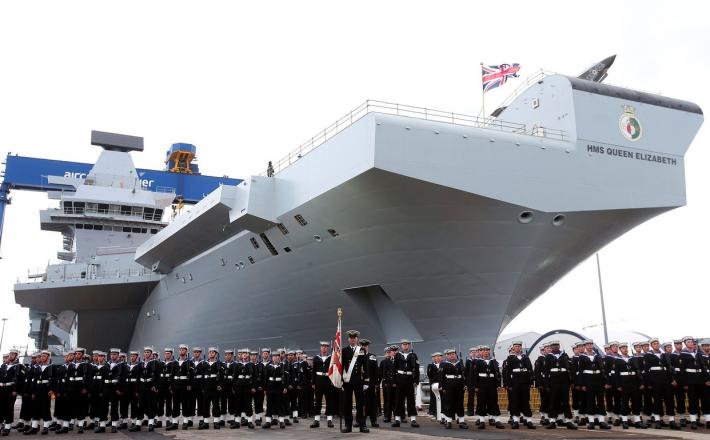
(249, 81)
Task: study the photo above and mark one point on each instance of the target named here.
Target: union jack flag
(496, 76)
(335, 371)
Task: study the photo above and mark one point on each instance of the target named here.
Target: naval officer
(354, 374)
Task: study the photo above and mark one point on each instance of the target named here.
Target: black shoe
(4, 433)
(30, 431)
(481, 425)
(159, 424)
(144, 423)
(414, 424)
(544, 422)
(202, 425)
(99, 429)
(295, 420)
(171, 427)
(448, 425)
(222, 423)
(674, 426)
(463, 425)
(151, 428)
(346, 430)
(375, 425)
(499, 425)
(590, 426)
(266, 425)
(396, 424)
(243, 421)
(45, 431)
(364, 428)
(124, 425)
(530, 425)
(217, 425)
(114, 429)
(664, 424)
(551, 426)
(189, 423)
(250, 425)
(571, 425)
(386, 420)
(91, 426)
(330, 424)
(604, 425)
(657, 425)
(19, 426)
(560, 423)
(134, 428)
(515, 425)
(282, 425)
(287, 422)
(693, 425)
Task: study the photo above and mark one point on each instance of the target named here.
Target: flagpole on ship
(483, 95)
(340, 357)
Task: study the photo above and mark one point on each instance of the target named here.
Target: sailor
(611, 394)
(387, 375)
(679, 393)
(260, 384)
(147, 387)
(658, 377)
(704, 357)
(470, 399)
(181, 372)
(275, 377)
(131, 396)
(540, 380)
(370, 382)
(100, 372)
(62, 396)
(518, 378)
(79, 377)
(486, 378)
(25, 390)
(200, 368)
(323, 387)
(212, 389)
(557, 368)
(256, 385)
(305, 392)
(691, 379)
(592, 379)
(578, 398)
(452, 384)
(12, 382)
(432, 373)
(245, 388)
(165, 385)
(354, 375)
(293, 378)
(628, 384)
(406, 365)
(42, 391)
(228, 400)
(115, 376)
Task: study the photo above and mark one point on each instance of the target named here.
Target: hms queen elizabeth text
(622, 153)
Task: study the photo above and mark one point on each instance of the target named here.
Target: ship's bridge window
(153, 231)
(137, 211)
(98, 228)
(148, 213)
(282, 228)
(158, 215)
(126, 229)
(301, 221)
(68, 207)
(92, 207)
(88, 226)
(125, 210)
(136, 230)
(78, 207)
(114, 209)
(254, 243)
(79, 226)
(103, 208)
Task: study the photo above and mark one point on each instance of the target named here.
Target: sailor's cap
(168, 350)
(651, 341)
(472, 349)
(688, 338)
(636, 344)
(353, 333)
(47, 352)
(364, 342)
(612, 343)
(115, 350)
(14, 350)
(576, 344)
(185, 346)
(436, 353)
(253, 352)
(276, 353)
(281, 350)
(134, 353)
(587, 342)
(623, 344)
(677, 341)
(266, 350)
(299, 351)
(229, 351)
(96, 352)
(150, 349)
(194, 349)
(405, 341)
(326, 343)
(80, 349)
(705, 341)
(101, 353)
(243, 350)
(34, 355)
(667, 344)
(122, 354)
(484, 348)
(516, 343)
(388, 348)
(554, 342)
(213, 349)
(290, 352)
(65, 353)
(606, 346)
(449, 351)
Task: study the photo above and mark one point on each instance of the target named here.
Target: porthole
(318, 238)
(525, 217)
(333, 232)
(559, 219)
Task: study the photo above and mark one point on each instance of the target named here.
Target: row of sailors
(616, 387)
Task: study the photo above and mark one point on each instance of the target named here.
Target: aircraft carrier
(420, 224)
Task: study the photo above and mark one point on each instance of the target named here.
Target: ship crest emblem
(629, 124)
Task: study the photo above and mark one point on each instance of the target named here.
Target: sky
(249, 81)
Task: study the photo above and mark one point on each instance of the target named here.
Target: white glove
(364, 388)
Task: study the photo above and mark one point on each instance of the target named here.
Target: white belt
(76, 379)
(42, 381)
(677, 369)
(7, 384)
(320, 373)
(165, 375)
(277, 379)
(519, 370)
(656, 369)
(453, 376)
(692, 370)
(98, 377)
(211, 375)
(180, 377)
(111, 381)
(199, 376)
(486, 375)
(150, 379)
(591, 371)
(627, 373)
(132, 380)
(404, 372)
(244, 376)
(230, 377)
(557, 370)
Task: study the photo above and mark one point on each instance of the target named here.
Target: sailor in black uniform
(212, 389)
(322, 386)
(27, 405)
(165, 386)
(354, 375)
(131, 398)
(704, 357)
(244, 389)
(557, 373)
(452, 383)
(658, 377)
(80, 379)
(518, 378)
(628, 383)
(370, 382)
(691, 379)
(228, 400)
(470, 401)
(196, 401)
(62, 397)
(387, 374)
(12, 380)
(432, 373)
(305, 392)
(486, 378)
(44, 385)
(147, 387)
(260, 383)
(275, 379)
(679, 393)
(406, 366)
(593, 379)
(539, 375)
(114, 381)
(182, 372)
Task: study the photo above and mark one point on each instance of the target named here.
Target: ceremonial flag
(335, 371)
(496, 76)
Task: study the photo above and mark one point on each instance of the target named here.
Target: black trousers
(128, 401)
(292, 398)
(109, 399)
(7, 405)
(164, 403)
(405, 395)
(647, 399)
(43, 405)
(559, 400)
(453, 394)
(389, 394)
(630, 399)
(210, 401)
(305, 400)
(181, 401)
(432, 400)
(348, 391)
(275, 403)
(242, 399)
(469, 401)
(95, 404)
(519, 400)
(329, 393)
(544, 400)
(196, 401)
(80, 404)
(487, 400)
(258, 398)
(695, 395)
(595, 400)
(148, 402)
(27, 407)
(62, 412)
(370, 409)
(228, 400)
(662, 399)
